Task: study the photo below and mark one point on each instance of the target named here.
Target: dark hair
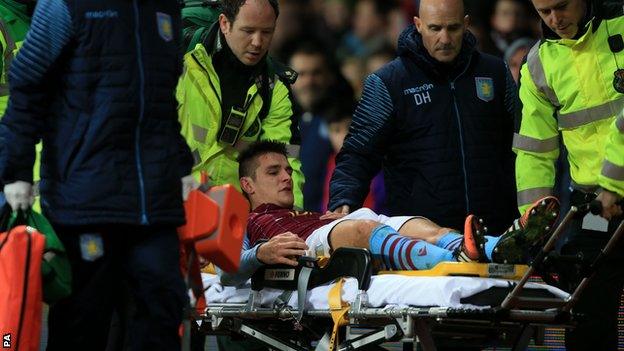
(340, 110)
(383, 7)
(230, 8)
(248, 158)
(308, 47)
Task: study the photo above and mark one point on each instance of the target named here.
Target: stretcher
(444, 311)
(485, 305)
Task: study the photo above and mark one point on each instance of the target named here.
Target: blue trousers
(102, 257)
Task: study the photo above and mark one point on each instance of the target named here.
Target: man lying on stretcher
(402, 243)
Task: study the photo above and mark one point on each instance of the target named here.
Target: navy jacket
(441, 133)
(95, 81)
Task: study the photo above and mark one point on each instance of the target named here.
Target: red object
(21, 300)
(215, 222)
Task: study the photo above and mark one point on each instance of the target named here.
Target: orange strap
(339, 312)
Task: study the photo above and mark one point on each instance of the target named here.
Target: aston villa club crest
(485, 88)
(165, 27)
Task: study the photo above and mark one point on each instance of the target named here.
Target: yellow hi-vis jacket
(199, 112)
(566, 87)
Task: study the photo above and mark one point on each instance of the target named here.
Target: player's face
(273, 181)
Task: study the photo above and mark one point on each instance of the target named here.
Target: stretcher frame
(513, 323)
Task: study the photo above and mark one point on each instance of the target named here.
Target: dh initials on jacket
(422, 98)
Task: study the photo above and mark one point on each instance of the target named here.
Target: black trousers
(147, 258)
(600, 302)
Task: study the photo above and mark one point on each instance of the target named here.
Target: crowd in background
(335, 44)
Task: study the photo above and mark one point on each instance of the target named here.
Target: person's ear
(247, 185)
(224, 24)
(466, 22)
(418, 24)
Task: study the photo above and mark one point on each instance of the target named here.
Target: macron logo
(101, 14)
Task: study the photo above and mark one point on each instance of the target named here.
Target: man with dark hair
(230, 8)
(438, 120)
(232, 93)
(369, 27)
(319, 88)
(572, 89)
(402, 243)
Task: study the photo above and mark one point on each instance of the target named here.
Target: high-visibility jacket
(566, 88)
(199, 96)
(14, 23)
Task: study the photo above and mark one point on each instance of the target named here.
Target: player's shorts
(318, 241)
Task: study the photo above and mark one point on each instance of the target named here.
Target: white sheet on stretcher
(385, 290)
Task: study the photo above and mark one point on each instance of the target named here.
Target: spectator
(379, 58)
(509, 21)
(370, 24)
(338, 122)
(354, 70)
(315, 83)
(516, 53)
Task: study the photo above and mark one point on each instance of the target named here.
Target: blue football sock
(450, 241)
(490, 244)
(403, 253)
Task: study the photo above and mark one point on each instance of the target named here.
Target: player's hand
(282, 249)
(332, 215)
(610, 207)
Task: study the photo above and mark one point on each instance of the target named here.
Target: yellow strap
(339, 310)
(322, 261)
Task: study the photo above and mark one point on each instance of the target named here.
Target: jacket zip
(137, 146)
(209, 78)
(461, 135)
(248, 100)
